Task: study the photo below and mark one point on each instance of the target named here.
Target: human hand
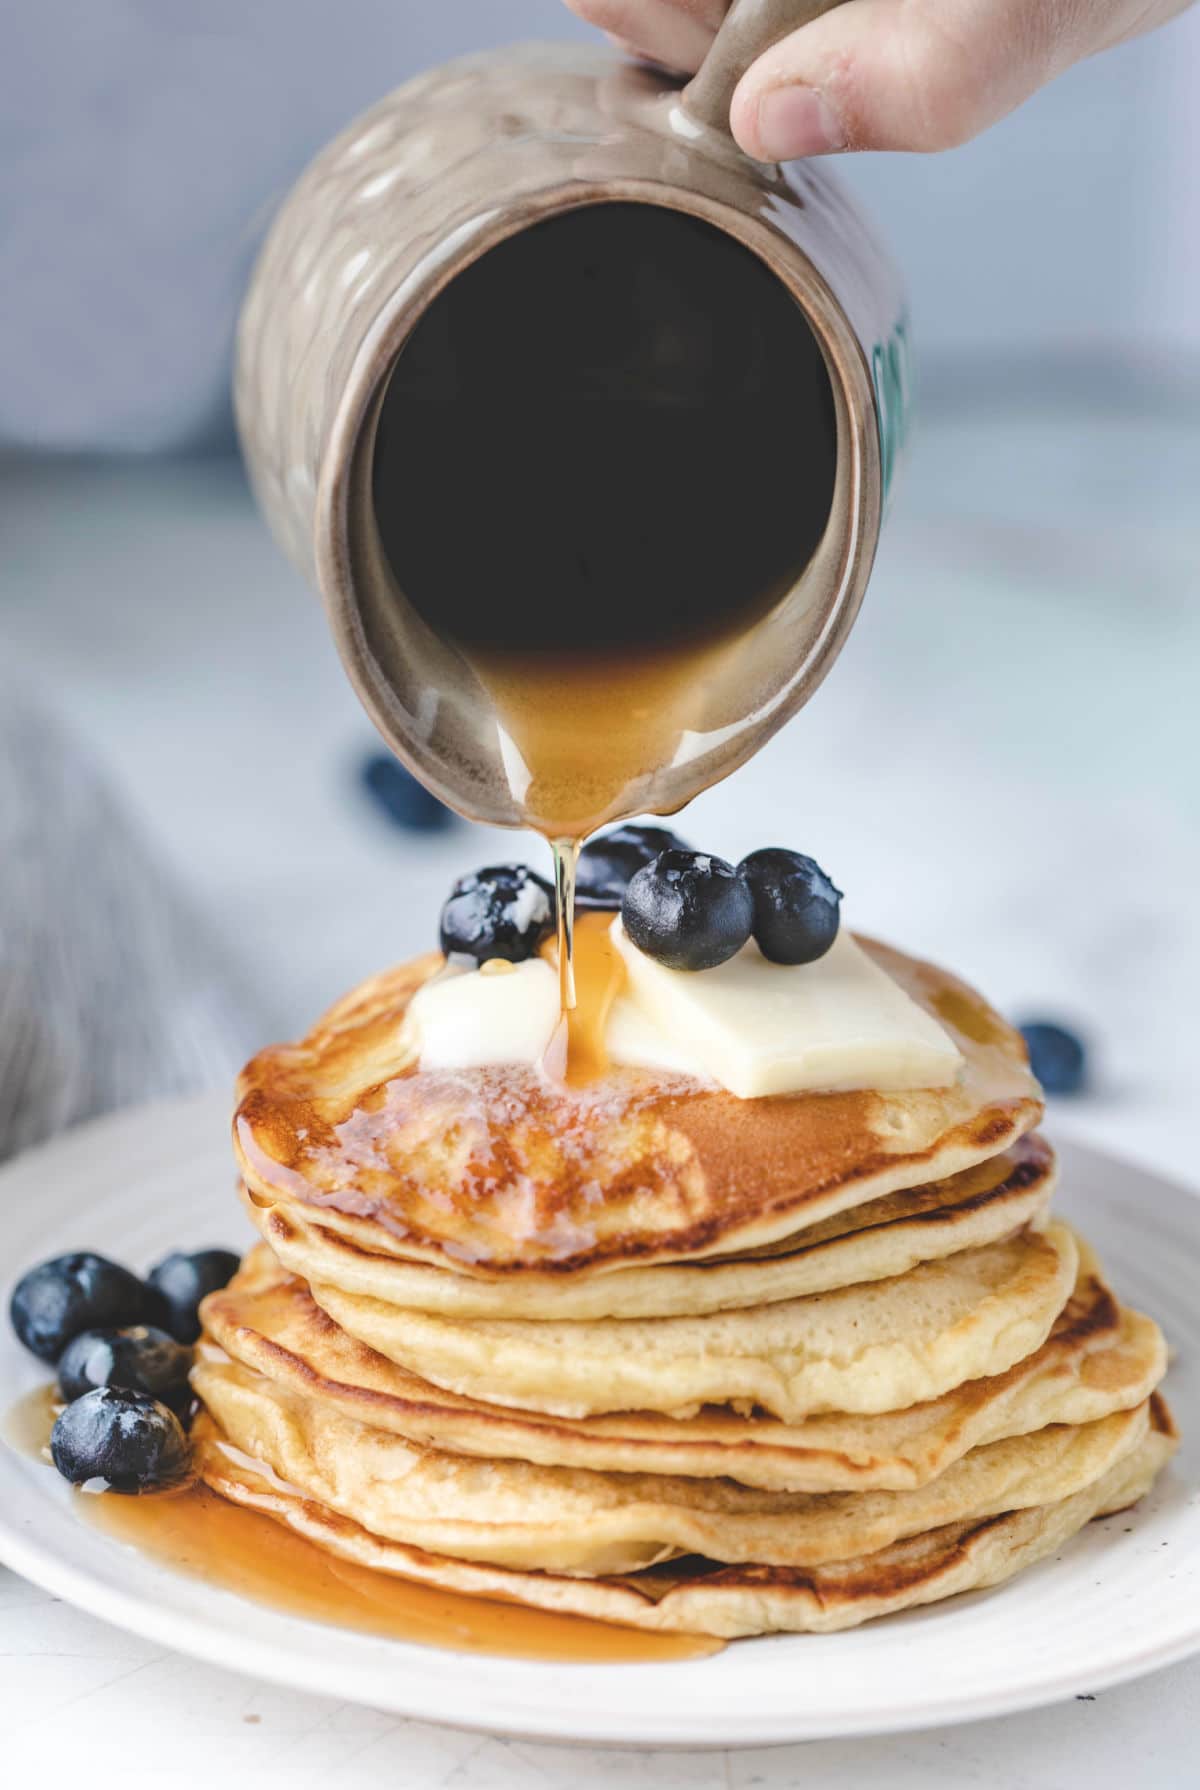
(884, 74)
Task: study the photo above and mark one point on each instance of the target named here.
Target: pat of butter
(762, 1028)
(466, 1018)
(632, 1039)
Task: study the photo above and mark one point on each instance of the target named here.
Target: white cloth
(110, 990)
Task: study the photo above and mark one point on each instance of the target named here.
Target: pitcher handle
(750, 27)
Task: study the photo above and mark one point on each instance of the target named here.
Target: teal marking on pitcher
(891, 371)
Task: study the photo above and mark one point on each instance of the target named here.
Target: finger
(905, 74)
(677, 33)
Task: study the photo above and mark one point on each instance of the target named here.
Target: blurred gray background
(1002, 769)
(143, 144)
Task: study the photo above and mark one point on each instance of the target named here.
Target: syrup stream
(566, 861)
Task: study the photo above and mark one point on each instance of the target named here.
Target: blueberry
(607, 863)
(795, 905)
(127, 1439)
(184, 1280)
(1057, 1057)
(688, 910)
(139, 1359)
(402, 798)
(59, 1298)
(503, 911)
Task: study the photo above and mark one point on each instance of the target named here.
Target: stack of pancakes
(644, 1351)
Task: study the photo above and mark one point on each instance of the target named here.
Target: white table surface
(1002, 771)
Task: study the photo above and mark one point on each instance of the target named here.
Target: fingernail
(795, 121)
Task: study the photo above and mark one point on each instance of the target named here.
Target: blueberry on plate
(59, 1298)
(796, 907)
(402, 797)
(607, 863)
(182, 1281)
(504, 911)
(1057, 1056)
(127, 1439)
(139, 1359)
(687, 910)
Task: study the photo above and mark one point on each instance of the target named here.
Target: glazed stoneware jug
(437, 223)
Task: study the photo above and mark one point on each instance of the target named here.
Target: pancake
(562, 1519)
(878, 1347)
(698, 1597)
(874, 1241)
(503, 1172)
(1097, 1359)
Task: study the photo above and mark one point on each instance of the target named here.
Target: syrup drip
(599, 976)
(194, 1531)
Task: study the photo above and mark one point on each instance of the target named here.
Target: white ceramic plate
(1123, 1599)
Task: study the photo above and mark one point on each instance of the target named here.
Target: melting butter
(633, 1038)
(762, 1028)
(466, 1018)
(753, 1027)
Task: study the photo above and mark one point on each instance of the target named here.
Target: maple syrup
(192, 1530)
(26, 1425)
(599, 976)
(566, 864)
(213, 1539)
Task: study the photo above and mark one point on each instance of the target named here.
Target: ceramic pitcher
(420, 188)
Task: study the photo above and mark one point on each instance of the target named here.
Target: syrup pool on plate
(197, 1532)
(192, 1530)
(26, 1425)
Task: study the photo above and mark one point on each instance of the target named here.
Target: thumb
(899, 74)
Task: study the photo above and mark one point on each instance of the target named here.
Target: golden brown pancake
(644, 1351)
(564, 1519)
(874, 1241)
(502, 1171)
(878, 1347)
(1098, 1358)
(695, 1596)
